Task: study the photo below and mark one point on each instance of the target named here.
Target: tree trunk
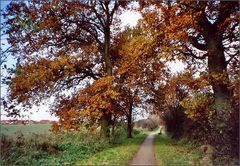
(106, 118)
(113, 125)
(105, 124)
(106, 54)
(222, 96)
(217, 67)
(219, 80)
(129, 127)
(129, 121)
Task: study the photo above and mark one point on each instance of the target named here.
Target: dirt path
(145, 155)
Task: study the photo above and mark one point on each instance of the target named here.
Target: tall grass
(50, 149)
(56, 149)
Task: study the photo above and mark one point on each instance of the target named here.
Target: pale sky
(128, 18)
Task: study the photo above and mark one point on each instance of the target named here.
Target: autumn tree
(204, 34)
(61, 45)
(183, 90)
(140, 70)
(127, 85)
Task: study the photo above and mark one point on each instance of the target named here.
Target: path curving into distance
(146, 153)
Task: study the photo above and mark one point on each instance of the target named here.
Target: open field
(25, 129)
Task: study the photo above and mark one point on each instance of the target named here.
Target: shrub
(202, 128)
(136, 132)
(176, 121)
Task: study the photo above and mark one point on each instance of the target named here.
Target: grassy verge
(175, 152)
(117, 155)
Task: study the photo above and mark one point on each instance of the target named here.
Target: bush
(203, 129)
(176, 121)
(136, 132)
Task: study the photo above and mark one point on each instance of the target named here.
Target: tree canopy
(76, 52)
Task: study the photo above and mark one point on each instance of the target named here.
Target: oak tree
(61, 44)
(204, 35)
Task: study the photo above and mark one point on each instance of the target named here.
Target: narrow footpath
(146, 153)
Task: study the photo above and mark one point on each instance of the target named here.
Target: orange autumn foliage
(60, 46)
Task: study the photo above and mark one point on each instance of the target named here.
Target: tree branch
(195, 43)
(190, 53)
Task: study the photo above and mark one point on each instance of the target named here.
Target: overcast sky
(128, 18)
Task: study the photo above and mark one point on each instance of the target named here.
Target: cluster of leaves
(88, 105)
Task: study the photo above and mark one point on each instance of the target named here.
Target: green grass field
(25, 129)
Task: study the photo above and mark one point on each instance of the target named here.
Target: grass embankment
(119, 154)
(175, 152)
